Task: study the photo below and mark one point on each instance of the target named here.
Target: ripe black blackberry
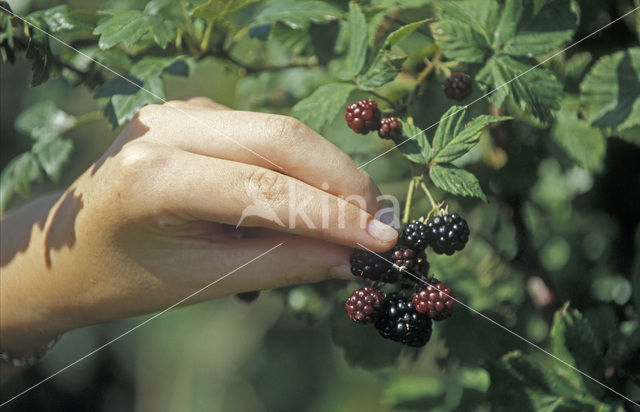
(370, 266)
(415, 235)
(407, 259)
(457, 86)
(435, 300)
(400, 322)
(390, 128)
(364, 305)
(363, 116)
(447, 233)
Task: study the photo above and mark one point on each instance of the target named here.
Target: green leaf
(452, 139)
(129, 26)
(6, 184)
(459, 34)
(456, 181)
(414, 144)
(143, 85)
(43, 64)
(219, 9)
(44, 120)
(542, 32)
(25, 170)
(384, 69)
(535, 89)
(508, 24)
(323, 105)
(573, 341)
(610, 93)
(407, 390)
(296, 14)
(401, 33)
(52, 155)
(583, 143)
(57, 19)
(357, 52)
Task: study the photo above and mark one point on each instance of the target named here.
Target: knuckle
(138, 158)
(285, 128)
(271, 185)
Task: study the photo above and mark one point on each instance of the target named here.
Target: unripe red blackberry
(364, 305)
(447, 233)
(363, 116)
(399, 321)
(390, 128)
(415, 235)
(435, 300)
(457, 86)
(408, 260)
(369, 266)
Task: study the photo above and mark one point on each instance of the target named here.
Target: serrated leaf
(43, 64)
(53, 154)
(219, 9)
(610, 93)
(583, 143)
(573, 341)
(25, 170)
(143, 85)
(44, 120)
(320, 109)
(57, 19)
(129, 26)
(296, 14)
(414, 144)
(542, 31)
(357, 52)
(459, 34)
(453, 139)
(456, 181)
(534, 89)
(508, 23)
(384, 69)
(401, 33)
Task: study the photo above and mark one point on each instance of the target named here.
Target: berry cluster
(396, 317)
(457, 86)
(364, 116)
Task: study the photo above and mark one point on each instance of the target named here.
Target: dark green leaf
(357, 53)
(384, 69)
(453, 139)
(219, 9)
(296, 14)
(25, 170)
(7, 184)
(141, 86)
(323, 105)
(456, 181)
(44, 120)
(53, 154)
(583, 143)
(414, 144)
(129, 26)
(610, 93)
(43, 64)
(399, 34)
(410, 390)
(508, 24)
(57, 19)
(459, 34)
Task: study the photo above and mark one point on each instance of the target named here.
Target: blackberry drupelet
(408, 260)
(448, 233)
(363, 116)
(369, 266)
(457, 86)
(435, 300)
(400, 322)
(364, 305)
(415, 235)
(390, 128)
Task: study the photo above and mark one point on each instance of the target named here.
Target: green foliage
(323, 105)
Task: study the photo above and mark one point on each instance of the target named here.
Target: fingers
(274, 142)
(203, 102)
(203, 188)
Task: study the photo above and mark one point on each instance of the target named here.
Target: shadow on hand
(61, 231)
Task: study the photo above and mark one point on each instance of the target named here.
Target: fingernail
(341, 272)
(381, 231)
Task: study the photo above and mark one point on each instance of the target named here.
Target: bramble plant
(482, 109)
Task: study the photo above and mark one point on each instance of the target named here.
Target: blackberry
(447, 233)
(248, 297)
(415, 235)
(400, 322)
(363, 116)
(407, 259)
(457, 86)
(364, 305)
(435, 300)
(390, 128)
(370, 266)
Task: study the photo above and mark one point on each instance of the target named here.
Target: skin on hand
(154, 220)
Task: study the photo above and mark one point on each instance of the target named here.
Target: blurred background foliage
(558, 222)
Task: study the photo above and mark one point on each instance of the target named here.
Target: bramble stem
(434, 205)
(87, 118)
(408, 201)
(204, 45)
